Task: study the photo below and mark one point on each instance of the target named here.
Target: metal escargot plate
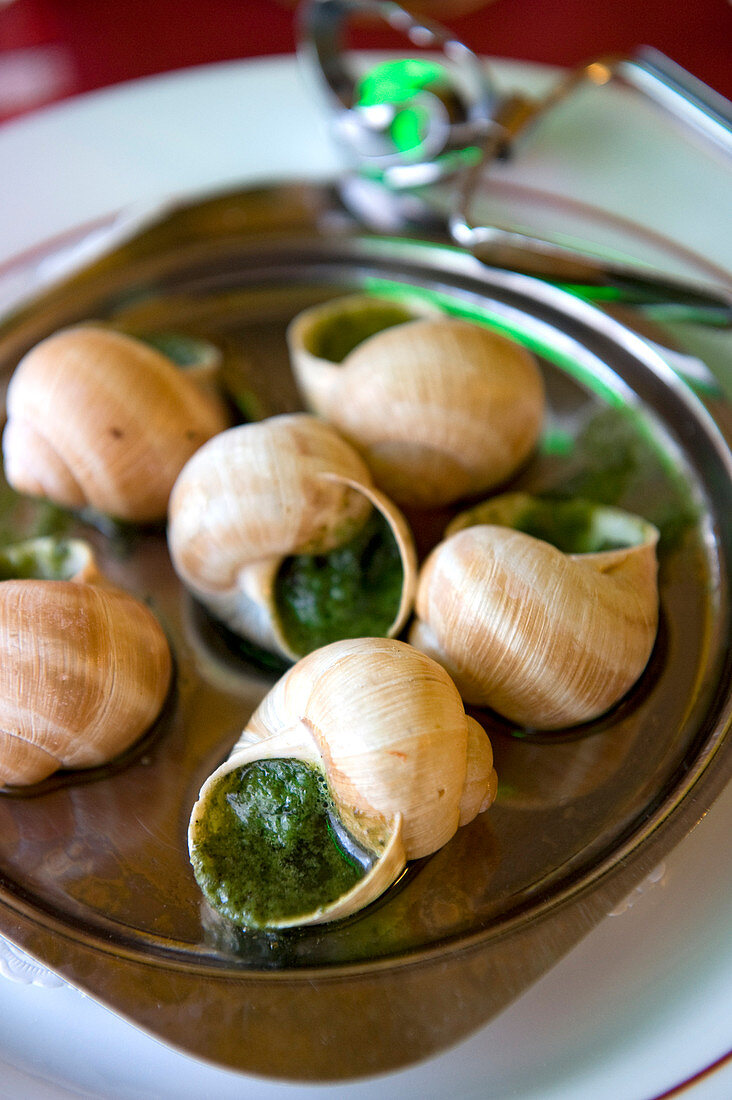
(94, 876)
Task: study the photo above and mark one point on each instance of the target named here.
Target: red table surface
(96, 43)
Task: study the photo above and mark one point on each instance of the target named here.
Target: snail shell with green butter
(439, 408)
(259, 498)
(101, 420)
(404, 767)
(544, 611)
(84, 667)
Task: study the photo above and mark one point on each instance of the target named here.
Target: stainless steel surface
(94, 878)
(449, 209)
(698, 107)
(516, 251)
(363, 131)
(387, 185)
(591, 275)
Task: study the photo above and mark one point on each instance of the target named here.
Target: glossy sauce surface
(353, 591)
(267, 848)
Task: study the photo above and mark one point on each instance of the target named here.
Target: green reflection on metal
(616, 458)
(398, 82)
(423, 99)
(472, 312)
(395, 81)
(594, 293)
(557, 442)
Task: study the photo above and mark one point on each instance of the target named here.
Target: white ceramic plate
(645, 1001)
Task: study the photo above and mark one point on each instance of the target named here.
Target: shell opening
(353, 590)
(573, 526)
(47, 558)
(269, 849)
(557, 611)
(332, 334)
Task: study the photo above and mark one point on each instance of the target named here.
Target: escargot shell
(404, 764)
(440, 408)
(261, 493)
(84, 667)
(544, 636)
(102, 420)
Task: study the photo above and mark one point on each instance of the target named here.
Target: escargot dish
(545, 611)
(84, 667)
(276, 527)
(101, 420)
(360, 758)
(439, 408)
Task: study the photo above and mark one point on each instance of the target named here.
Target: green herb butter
(39, 559)
(573, 526)
(268, 848)
(576, 527)
(351, 592)
(334, 337)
